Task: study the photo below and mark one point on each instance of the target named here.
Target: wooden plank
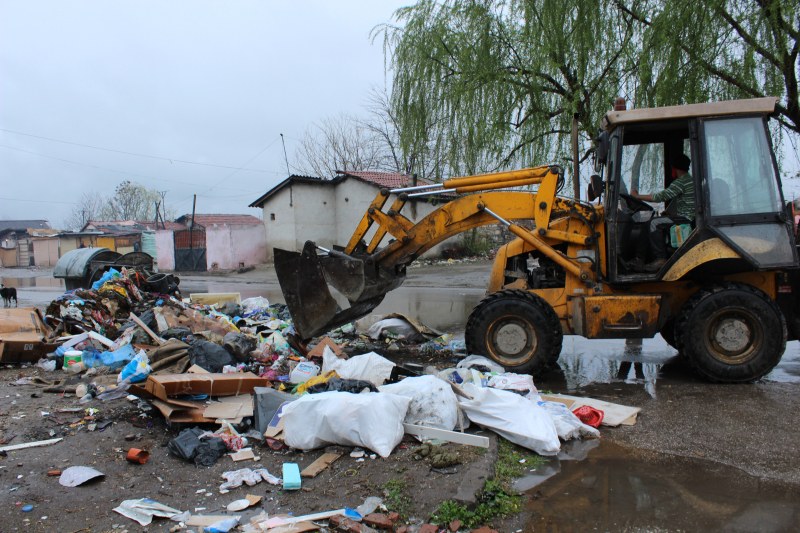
(450, 436)
(322, 462)
(34, 444)
(147, 330)
(211, 298)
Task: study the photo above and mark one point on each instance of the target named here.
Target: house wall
(8, 257)
(67, 244)
(327, 215)
(228, 246)
(45, 252)
(165, 249)
(308, 213)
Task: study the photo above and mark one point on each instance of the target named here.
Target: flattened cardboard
(23, 335)
(322, 462)
(614, 414)
(317, 350)
(230, 408)
(163, 386)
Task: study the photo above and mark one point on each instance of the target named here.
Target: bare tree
(342, 143)
(89, 207)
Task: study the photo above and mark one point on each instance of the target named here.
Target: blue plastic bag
(137, 370)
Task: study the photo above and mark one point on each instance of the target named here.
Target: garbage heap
(237, 362)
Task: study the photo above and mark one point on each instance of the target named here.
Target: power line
(170, 159)
(125, 172)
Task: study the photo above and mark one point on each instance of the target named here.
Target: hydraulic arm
(363, 272)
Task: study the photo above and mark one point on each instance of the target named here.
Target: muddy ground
(701, 456)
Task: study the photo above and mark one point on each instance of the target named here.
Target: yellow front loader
(725, 298)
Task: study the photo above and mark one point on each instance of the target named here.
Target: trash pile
(234, 371)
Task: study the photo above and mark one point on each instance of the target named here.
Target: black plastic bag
(209, 450)
(343, 385)
(185, 444)
(239, 345)
(210, 356)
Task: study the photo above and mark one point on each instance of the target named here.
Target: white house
(303, 208)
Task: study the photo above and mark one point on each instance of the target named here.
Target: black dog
(8, 294)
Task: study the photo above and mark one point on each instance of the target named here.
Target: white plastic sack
(369, 366)
(433, 402)
(568, 426)
(480, 361)
(256, 303)
(517, 382)
(395, 326)
(371, 420)
(518, 419)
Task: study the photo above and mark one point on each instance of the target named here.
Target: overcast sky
(172, 84)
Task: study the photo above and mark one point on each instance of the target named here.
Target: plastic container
(304, 371)
(72, 357)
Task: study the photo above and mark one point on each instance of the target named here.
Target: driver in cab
(681, 193)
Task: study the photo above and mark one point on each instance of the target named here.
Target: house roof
(294, 178)
(391, 180)
(220, 220)
(22, 225)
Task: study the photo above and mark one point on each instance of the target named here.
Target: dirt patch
(27, 414)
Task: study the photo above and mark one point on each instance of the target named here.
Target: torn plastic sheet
(247, 476)
(143, 510)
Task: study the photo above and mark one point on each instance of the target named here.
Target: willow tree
(718, 49)
(495, 84)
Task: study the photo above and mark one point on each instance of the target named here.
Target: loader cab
(739, 210)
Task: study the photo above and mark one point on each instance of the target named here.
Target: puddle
(616, 489)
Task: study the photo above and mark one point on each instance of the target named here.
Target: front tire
(517, 329)
(732, 333)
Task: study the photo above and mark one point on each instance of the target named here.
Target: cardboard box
(23, 335)
(163, 386)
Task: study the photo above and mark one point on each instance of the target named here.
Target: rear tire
(732, 333)
(517, 329)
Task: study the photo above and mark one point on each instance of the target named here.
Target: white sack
(518, 419)
(481, 362)
(369, 366)
(433, 402)
(568, 426)
(371, 420)
(511, 381)
(396, 326)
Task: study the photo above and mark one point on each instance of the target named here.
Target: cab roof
(751, 106)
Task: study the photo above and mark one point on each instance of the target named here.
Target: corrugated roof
(22, 225)
(119, 227)
(221, 220)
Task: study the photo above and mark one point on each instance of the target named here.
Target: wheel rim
(511, 340)
(733, 336)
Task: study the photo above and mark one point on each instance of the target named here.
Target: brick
(428, 528)
(401, 529)
(394, 517)
(455, 525)
(343, 523)
(484, 529)
(378, 521)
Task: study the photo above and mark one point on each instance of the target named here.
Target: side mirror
(601, 143)
(596, 187)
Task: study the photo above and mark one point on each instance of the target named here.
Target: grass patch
(497, 499)
(508, 466)
(395, 497)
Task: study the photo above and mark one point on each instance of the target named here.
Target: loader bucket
(305, 278)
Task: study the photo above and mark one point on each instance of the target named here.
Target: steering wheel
(634, 204)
